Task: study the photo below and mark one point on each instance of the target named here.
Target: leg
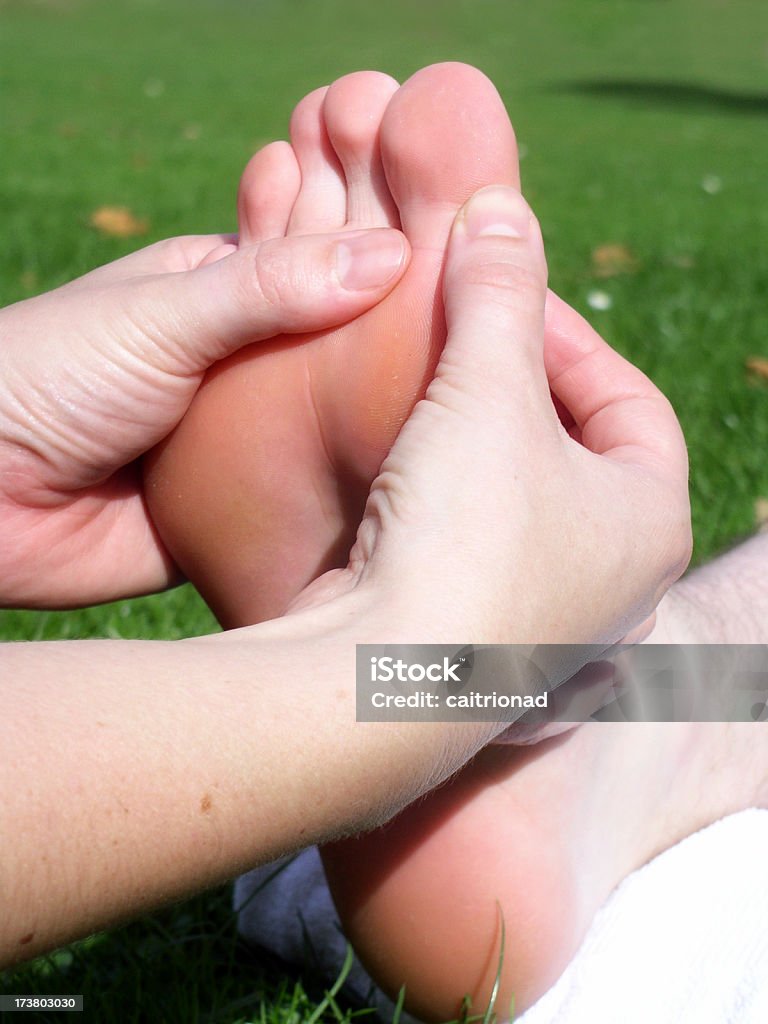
(725, 602)
(262, 485)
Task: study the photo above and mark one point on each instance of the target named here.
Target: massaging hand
(594, 520)
(488, 522)
(98, 371)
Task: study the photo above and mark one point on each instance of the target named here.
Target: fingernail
(495, 210)
(369, 259)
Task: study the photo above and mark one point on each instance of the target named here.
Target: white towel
(683, 940)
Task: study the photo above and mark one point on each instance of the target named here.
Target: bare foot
(540, 836)
(262, 485)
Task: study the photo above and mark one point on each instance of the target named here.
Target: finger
(170, 255)
(572, 704)
(282, 286)
(495, 286)
(618, 411)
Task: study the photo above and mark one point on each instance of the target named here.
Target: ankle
(724, 770)
(688, 614)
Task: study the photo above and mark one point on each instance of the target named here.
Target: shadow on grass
(673, 95)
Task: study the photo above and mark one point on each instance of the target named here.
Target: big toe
(445, 134)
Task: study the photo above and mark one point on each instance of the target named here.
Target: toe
(321, 204)
(445, 134)
(268, 190)
(353, 109)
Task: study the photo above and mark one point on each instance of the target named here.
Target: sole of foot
(262, 485)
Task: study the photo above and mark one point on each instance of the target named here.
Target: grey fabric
(286, 908)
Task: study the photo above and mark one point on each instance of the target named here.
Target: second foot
(537, 837)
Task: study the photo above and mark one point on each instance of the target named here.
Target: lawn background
(641, 124)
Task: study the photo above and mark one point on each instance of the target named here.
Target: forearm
(134, 772)
(723, 602)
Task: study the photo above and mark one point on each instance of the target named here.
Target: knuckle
(676, 547)
(505, 281)
(272, 276)
(683, 546)
(269, 282)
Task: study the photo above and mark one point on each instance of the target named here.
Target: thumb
(484, 416)
(495, 288)
(280, 286)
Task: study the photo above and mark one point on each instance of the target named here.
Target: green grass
(641, 124)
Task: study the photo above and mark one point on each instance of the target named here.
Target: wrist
(313, 654)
